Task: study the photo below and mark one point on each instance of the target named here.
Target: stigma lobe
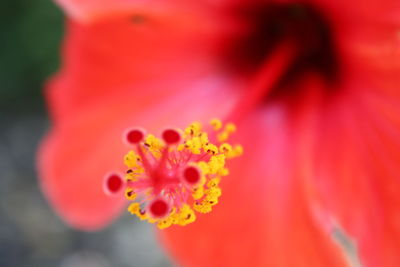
(113, 184)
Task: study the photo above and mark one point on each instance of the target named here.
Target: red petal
(358, 159)
(359, 149)
(117, 56)
(359, 11)
(266, 216)
(72, 166)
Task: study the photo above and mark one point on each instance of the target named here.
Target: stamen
(169, 178)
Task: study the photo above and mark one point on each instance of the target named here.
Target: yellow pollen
(134, 208)
(185, 216)
(216, 124)
(226, 132)
(230, 128)
(154, 144)
(132, 160)
(198, 193)
(213, 182)
(130, 194)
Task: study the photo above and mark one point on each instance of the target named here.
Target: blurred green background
(31, 234)
(30, 36)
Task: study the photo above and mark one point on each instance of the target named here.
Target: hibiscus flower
(312, 85)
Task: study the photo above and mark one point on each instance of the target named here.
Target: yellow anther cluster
(132, 160)
(196, 141)
(185, 216)
(213, 182)
(226, 132)
(194, 145)
(134, 209)
(229, 151)
(210, 196)
(211, 149)
(216, 124)
(216, 164)
(154, 145)
(193, 129)
(206, 194)
(130, 194)
(198, 192)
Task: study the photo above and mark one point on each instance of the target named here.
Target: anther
(171, 136)
(134, 136)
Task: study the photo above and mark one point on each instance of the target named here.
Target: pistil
(172, 177)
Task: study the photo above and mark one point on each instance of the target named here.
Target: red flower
(320, 120)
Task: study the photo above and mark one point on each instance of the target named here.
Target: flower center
(266, 27)
(170, 178)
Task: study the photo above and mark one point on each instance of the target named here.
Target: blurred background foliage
(31, 31)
